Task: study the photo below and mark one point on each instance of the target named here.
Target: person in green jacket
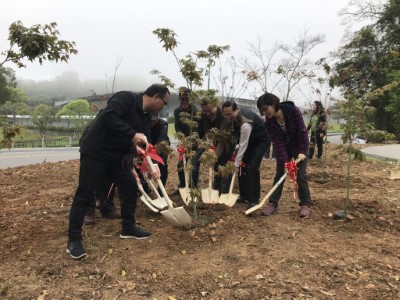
(317, 125)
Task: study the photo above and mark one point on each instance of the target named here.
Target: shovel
(258, 206)
(184, 191)
(175, 216)
(229, 199)
(159, 197)
(210, 195)
(395, 173)
(155, 205)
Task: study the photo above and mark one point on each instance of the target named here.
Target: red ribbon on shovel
(181, 150)
(152, 152)
(292, 169)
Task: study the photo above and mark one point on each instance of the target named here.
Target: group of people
(127, 122)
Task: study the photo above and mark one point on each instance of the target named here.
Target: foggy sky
(105, 31)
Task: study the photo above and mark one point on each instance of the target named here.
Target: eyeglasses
(163, 100)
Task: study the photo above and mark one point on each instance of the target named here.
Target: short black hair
(156, 88)
(230, 104)
(183, 93)
(268, 99)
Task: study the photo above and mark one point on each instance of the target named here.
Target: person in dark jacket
(212, 117)
(103, 194)
(159, 133)
(185, 108)
(249, 129)
(317, 125)
(288, 133)
(123, 124)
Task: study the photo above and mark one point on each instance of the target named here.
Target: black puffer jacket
(110, 136)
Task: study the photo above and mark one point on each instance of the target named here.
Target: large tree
(369, 64)
(36, 43)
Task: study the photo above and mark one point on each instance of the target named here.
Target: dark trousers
(163, 169)
(268, 151)
(105, 194)
(249, 179)
(315, 141)
(194, 178)
(302, 183)
(222, 183)
(91, 173)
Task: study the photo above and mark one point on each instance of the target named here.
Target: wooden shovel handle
(232, 183)
(258, 206)
(160, 184)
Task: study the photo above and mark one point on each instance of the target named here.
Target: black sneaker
(75, 249)
(241, 200)
(134, 232)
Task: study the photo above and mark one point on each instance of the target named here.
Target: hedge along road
(23, 156)
(27, 156)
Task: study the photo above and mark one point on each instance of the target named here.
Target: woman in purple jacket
(288, 133)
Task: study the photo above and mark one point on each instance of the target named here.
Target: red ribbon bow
(181, 150)
(152, 152)
(292, 169)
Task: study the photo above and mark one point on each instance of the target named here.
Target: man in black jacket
(184, 111)
(123, 124)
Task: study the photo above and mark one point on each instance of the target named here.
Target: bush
(379, 136)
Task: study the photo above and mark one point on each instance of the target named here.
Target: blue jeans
(302, 183)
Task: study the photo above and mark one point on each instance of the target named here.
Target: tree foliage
(42, 116)
(368, 65)
(79, 111)
(190, 66)
(39, 42)
(7, 82)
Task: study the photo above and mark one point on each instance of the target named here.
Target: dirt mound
(225, 255)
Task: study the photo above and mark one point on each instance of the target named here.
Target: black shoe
(75, 249)
(251, 204)
(134, 232)
(240, 200)
(89, 220)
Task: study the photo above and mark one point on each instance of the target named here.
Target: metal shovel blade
(230, 198)
(177, 216)
(209, 195)
(184, 195)
(395, 173)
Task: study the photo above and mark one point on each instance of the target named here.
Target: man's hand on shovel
(140, 139)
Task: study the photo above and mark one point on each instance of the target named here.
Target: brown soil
(233, 257)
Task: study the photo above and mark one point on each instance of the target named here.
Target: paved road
(28, 156)
(19, 157)
(391, 152)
